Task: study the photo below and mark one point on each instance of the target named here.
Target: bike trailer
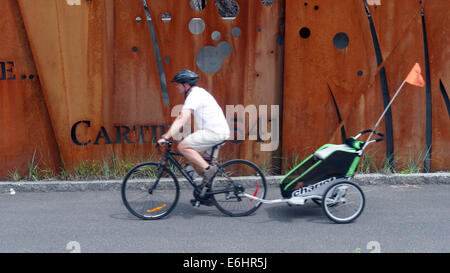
(330, 160)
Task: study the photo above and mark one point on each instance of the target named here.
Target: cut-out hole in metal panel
(267, 2)
(216, 35)
(341, 40)
(228, 9)
(166, 17)
(236, 32)
(305, 33)
(197, 26)
(198, 5)
(210, 58)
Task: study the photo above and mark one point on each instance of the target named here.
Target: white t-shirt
(207, 113)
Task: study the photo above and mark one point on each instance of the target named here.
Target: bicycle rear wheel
(343, 202)
(234, 179)
(150, 191)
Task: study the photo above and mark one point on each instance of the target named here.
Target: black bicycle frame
(169, 156)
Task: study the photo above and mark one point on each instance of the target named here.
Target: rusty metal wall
(320, 79)
(102, 81)
(344, 62)
(436, 15)
(26, 135)
(101, 88)
(73, 49)
(247, 47)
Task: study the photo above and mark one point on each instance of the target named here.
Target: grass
(33, 168)
(370, 163)
(389, 164)
(89, 169)
(268, 168)
(14, 175)
(402, 164)
(414, 162)
(116, 167)
(366, 164)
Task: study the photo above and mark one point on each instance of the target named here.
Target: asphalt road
(396, 219)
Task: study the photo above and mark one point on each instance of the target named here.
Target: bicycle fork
(158, 177)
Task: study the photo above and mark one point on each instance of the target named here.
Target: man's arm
(182, 119)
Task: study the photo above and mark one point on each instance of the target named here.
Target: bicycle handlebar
(169, 145)
(371, 131)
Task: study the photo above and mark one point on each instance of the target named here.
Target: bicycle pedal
(195, 203)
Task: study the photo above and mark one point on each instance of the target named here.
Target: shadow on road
(266, 213)
(289, 214)
(184, 210)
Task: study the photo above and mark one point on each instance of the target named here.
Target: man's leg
(192, 155)
(195, 158)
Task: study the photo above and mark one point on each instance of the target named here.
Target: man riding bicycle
(210, 123)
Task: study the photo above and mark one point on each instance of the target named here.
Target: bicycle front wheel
(232, 185)
(150, 191)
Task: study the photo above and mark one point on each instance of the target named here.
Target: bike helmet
(186, 76)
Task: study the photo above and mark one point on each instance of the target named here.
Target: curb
(403, 179)
(272, 181)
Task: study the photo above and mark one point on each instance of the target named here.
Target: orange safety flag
(415, 76)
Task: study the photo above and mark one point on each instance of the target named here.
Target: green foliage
(366, 164)
(414, 162)
(14, 175)
(117, 168)
(33, 169)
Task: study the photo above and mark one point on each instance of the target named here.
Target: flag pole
(382, 115)
(415, 78)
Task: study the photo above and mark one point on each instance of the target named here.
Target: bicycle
(151, 190)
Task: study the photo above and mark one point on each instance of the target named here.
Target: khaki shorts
(203, 140)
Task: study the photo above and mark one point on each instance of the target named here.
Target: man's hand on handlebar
(163, 140)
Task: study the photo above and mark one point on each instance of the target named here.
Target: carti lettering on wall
(123, 134)
(142, 134)
(256, 129)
